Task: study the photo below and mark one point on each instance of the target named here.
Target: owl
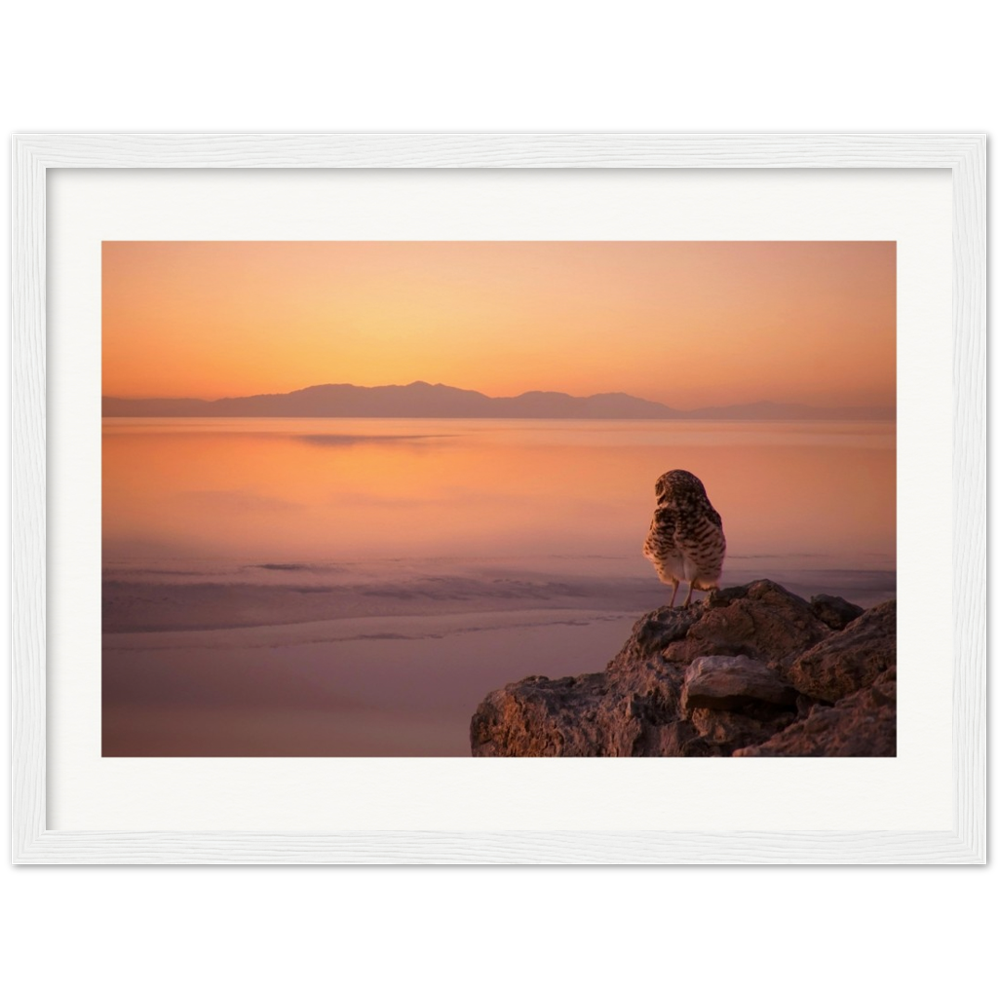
(685, 540)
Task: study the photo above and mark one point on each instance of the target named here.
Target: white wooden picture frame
(963, 155)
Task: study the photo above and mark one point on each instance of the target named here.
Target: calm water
(278, 587)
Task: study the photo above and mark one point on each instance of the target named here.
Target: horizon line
(558, 392)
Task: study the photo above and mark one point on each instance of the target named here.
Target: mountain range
(421, 399)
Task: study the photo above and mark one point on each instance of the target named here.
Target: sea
(355, 587)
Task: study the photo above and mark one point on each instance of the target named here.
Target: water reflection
(309, 490)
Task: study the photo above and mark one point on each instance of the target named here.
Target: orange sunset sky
(686, 324)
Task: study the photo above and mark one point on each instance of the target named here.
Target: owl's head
(679, 485)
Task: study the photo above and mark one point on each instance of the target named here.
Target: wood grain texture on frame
(964, 155)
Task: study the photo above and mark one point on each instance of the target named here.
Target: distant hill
(765, 410)
(421, 399)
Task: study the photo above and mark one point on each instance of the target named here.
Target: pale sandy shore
(388, 686)
(332, 664)
(184, 602)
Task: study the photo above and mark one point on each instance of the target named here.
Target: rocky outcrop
(849, 660)
(861, 725)
(750, 671)
(732, 683)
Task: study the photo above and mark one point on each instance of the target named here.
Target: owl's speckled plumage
(685, 540)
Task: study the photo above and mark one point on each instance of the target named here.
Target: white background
(491, 939)
(528, 61)
(911, 791)
(536, 61)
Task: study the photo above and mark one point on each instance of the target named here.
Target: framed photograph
(499, 499)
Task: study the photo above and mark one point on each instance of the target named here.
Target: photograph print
(438, 499)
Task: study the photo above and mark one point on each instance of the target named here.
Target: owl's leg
(687, 600)
(673, 594)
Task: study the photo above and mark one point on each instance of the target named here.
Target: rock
(849, 660)
(725, 732)
(730, 682)
(835, 611)
(761, 620)
(745, 672)
(861, 725)
(542, 718)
